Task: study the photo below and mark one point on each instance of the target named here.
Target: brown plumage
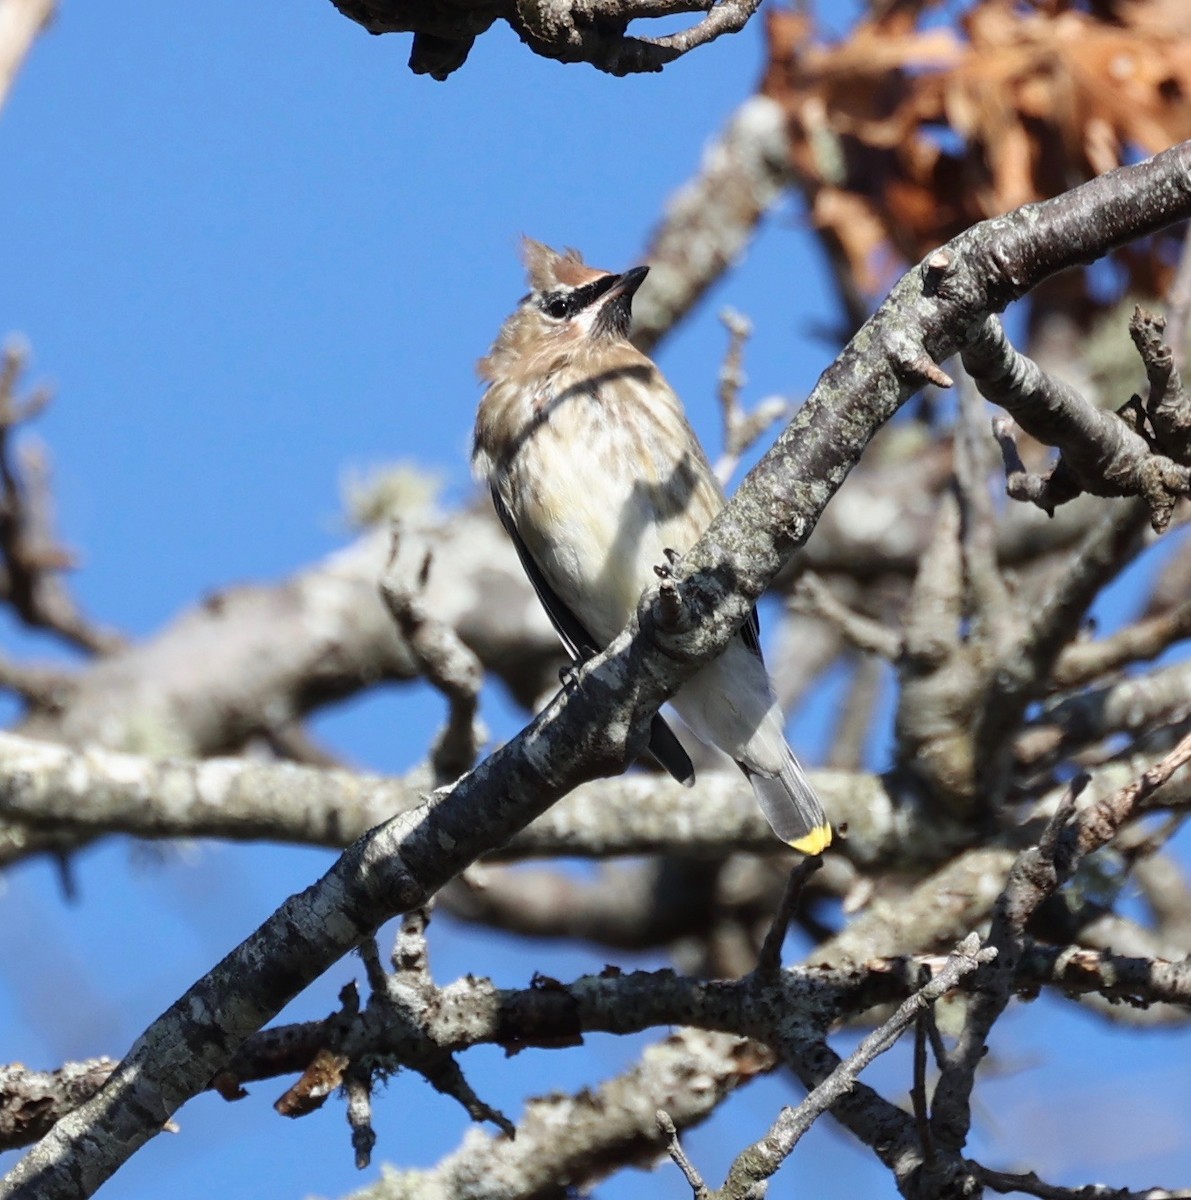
(597, 475)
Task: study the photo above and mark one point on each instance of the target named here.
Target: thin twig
(678, 1156)
(866, 635)
(31, 559)
(741, 429)
(918, 1097)
(1107, 816)
(769, 960)
(451, 666)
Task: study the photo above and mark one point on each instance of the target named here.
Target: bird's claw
(666, 570)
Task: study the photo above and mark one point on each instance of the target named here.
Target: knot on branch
(938, 270)
(552, 25)
(920, 369)
(443, 33)
(670, 612)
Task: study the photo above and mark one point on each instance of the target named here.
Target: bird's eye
(557, 307)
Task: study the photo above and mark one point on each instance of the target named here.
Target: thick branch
(255, 658)
(471, 1012)
(90, 793)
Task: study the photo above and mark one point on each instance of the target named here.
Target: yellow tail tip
(814, 842)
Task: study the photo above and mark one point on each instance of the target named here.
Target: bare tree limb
(1101, 452)
(89, 793)
(1167, 407)
(571, 31)
(1127, 706)
(679, 1158)
(31, 1101)
(1030, 1185)
(861, 632)
(31, 559)
(444, 660)
(253, 659)
(471, 1012)
(769, 960)
(1083, 662)
(1076, 969)
(39, 686)
(740, 429)
(581, 1137)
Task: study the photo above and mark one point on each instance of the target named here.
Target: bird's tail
(791, 806)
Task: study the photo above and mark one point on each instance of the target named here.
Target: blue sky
(251, 251)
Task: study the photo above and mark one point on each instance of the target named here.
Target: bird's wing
(751, 632)
(581, 646)
(667, 749)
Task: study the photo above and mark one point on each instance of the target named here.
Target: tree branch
(31, 559)
(46, 787)
(1101, 452)
(571, 31)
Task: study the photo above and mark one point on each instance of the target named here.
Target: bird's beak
(627, 284)
(615, 313)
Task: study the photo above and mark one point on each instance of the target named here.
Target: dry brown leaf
(902, 135)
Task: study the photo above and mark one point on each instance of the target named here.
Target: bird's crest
(547, 269)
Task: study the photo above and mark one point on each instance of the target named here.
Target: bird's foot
(666, 570)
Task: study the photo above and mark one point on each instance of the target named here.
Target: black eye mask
(562, 305)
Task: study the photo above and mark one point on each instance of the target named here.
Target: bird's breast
(599, 488)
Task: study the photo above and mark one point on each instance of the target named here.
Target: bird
(598, 478)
